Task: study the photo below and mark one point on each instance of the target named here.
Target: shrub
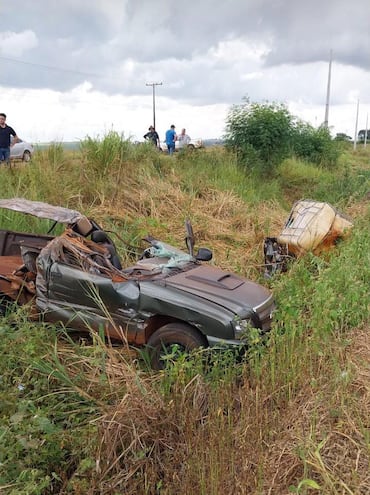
(260, 133)
(264, 134)
(314, 145)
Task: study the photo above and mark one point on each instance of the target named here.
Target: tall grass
(84, 417)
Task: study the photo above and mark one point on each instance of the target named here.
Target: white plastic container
(309, 224)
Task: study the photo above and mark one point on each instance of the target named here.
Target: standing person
(152, 135)
(171, 139)
(184, 139)
(5, 132)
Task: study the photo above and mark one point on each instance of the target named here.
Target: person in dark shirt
(152, 135)
(5, 132)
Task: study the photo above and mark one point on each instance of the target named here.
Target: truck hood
(225, 289)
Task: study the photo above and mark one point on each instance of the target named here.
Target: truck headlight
(242, 328)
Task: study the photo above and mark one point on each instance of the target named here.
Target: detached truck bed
(11, 242)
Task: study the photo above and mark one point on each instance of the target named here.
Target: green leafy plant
(260, 133)
(303, 486)
(315, 145)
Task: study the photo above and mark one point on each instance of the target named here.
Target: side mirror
(189, 239)
(203, 254)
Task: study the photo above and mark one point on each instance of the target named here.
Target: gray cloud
(305, 32)
(119, 45)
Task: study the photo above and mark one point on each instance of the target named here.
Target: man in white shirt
(183, 139)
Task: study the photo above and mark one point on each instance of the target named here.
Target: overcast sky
(72, 68)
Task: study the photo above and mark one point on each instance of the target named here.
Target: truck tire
(26, 156)
(163, 340)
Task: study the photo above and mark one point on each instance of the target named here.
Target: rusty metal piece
(14, 282)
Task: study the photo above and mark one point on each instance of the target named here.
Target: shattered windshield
(175, 256)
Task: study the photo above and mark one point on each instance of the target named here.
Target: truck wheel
(172, 338)
(26, 156)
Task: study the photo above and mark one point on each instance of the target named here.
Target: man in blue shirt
(170, 139)
(5, 132)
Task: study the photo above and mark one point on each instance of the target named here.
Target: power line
(50, 67)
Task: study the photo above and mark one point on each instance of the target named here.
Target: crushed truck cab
(167, 298)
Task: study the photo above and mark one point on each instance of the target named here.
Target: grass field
(292, 417)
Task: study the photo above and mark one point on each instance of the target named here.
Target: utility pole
(326, 120)
(365, 141)
(355, 140)
(153, 85)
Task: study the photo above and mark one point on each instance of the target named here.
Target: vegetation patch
(80, 416)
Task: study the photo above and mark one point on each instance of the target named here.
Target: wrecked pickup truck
(312, 226)
(168, 297)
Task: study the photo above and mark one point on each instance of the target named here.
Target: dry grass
(221, 220)
(360, 209)
(243, 438)
(323, 434)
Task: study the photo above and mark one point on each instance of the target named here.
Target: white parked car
(21, 151)
(193, 144)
